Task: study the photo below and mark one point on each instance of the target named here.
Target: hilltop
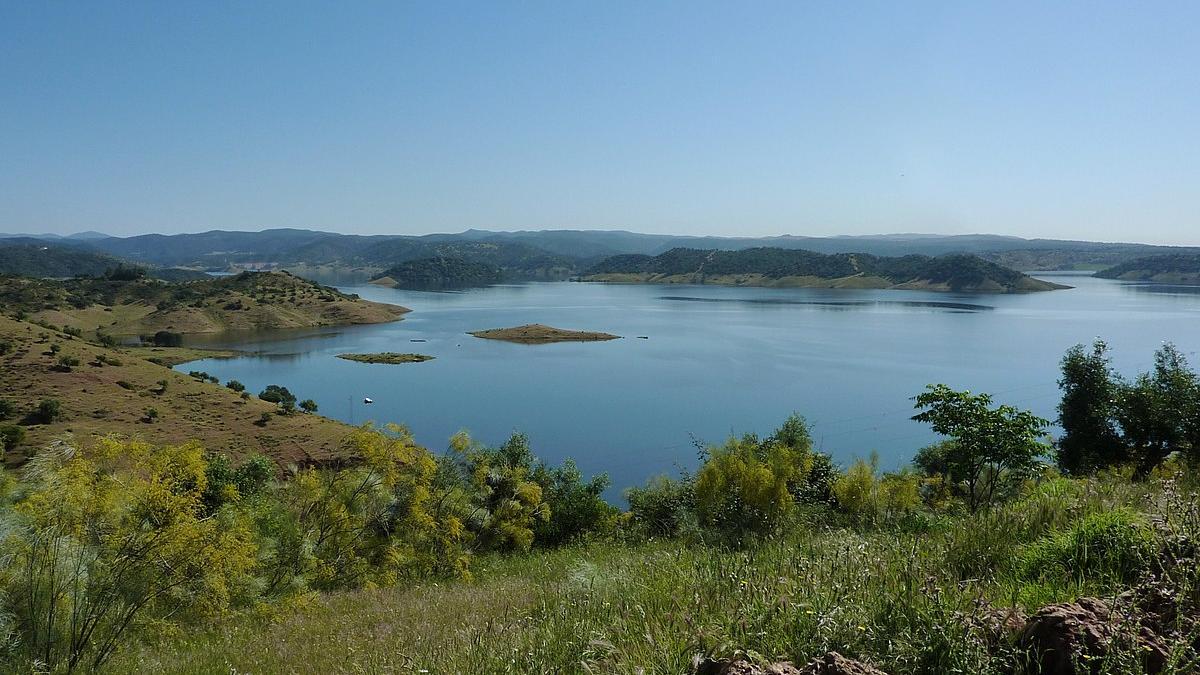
(799, 268)
(142, 306)
(113, 390)
(1178, 269)
(433, 274)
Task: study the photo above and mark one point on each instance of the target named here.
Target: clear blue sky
(1036, 119)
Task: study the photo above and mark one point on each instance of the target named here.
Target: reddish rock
(831, 663)
(1059, 636)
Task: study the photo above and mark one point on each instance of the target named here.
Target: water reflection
(841, 304)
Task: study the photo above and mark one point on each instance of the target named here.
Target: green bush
(1113, 544)
(7, 409)
(663, 508)
(577, 508)
(11, 436)
(870, 498)
(49, 410)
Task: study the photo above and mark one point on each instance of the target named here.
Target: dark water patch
(957, 307)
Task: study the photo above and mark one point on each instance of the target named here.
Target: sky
(1066, 120)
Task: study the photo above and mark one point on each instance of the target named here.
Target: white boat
(368, 401)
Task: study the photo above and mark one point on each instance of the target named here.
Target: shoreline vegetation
(386, 357)
(537, 334)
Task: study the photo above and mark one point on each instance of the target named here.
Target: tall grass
(909, 598)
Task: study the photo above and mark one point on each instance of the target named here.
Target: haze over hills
(558, 254)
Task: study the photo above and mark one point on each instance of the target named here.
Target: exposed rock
(831, 663)
(741, 666)
(1060, 636)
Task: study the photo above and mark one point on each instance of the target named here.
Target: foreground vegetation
(131, 558)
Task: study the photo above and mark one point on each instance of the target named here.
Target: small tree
(263, 419)
(993, 447)
(277, 394)
(308, 405)
(236, 386)
(66, 363)
(49, 410)
(55, 348)
(151, 414)
(162, 386)
(7, 409)
(1088, 411)
(1160, 411)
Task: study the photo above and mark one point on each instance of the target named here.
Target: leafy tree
(66, 363)
(236, 386)
(1159, 412)
(55, 348)
(1088, 412)
(994, 448)
(308, 405)
(49, 410)
(277, 394)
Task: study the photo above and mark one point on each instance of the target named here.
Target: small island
(537, 334)
(386, 357)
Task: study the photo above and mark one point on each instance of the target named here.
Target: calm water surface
(717, 361)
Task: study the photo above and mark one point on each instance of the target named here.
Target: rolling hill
(799, 268)
(113, 390)
(429, 274)
(141, 306)
(1179, 269)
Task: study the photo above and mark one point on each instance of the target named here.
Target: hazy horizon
(1072, 121)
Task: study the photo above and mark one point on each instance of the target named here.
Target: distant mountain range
(552, 254)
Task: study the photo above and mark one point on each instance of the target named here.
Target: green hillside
(1179, 269)
(790, 267)
(431, 274)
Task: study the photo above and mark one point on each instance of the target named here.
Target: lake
(716, 361)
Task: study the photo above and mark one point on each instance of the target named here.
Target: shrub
(49, 410)
(1113, 544)
(663, 508)
(577, 508)
(124, 385)
(870, 498)
(6, 346)
(7, 409)
(236, 386)
(66, 363)
(11, 436)
(73, 594)
(308, 405)
(743, 487)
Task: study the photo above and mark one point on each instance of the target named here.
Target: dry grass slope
(112, 390)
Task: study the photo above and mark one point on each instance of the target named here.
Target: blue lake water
(717, 361)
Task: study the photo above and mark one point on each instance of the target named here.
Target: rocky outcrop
(1063, 639)
(832, 663)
